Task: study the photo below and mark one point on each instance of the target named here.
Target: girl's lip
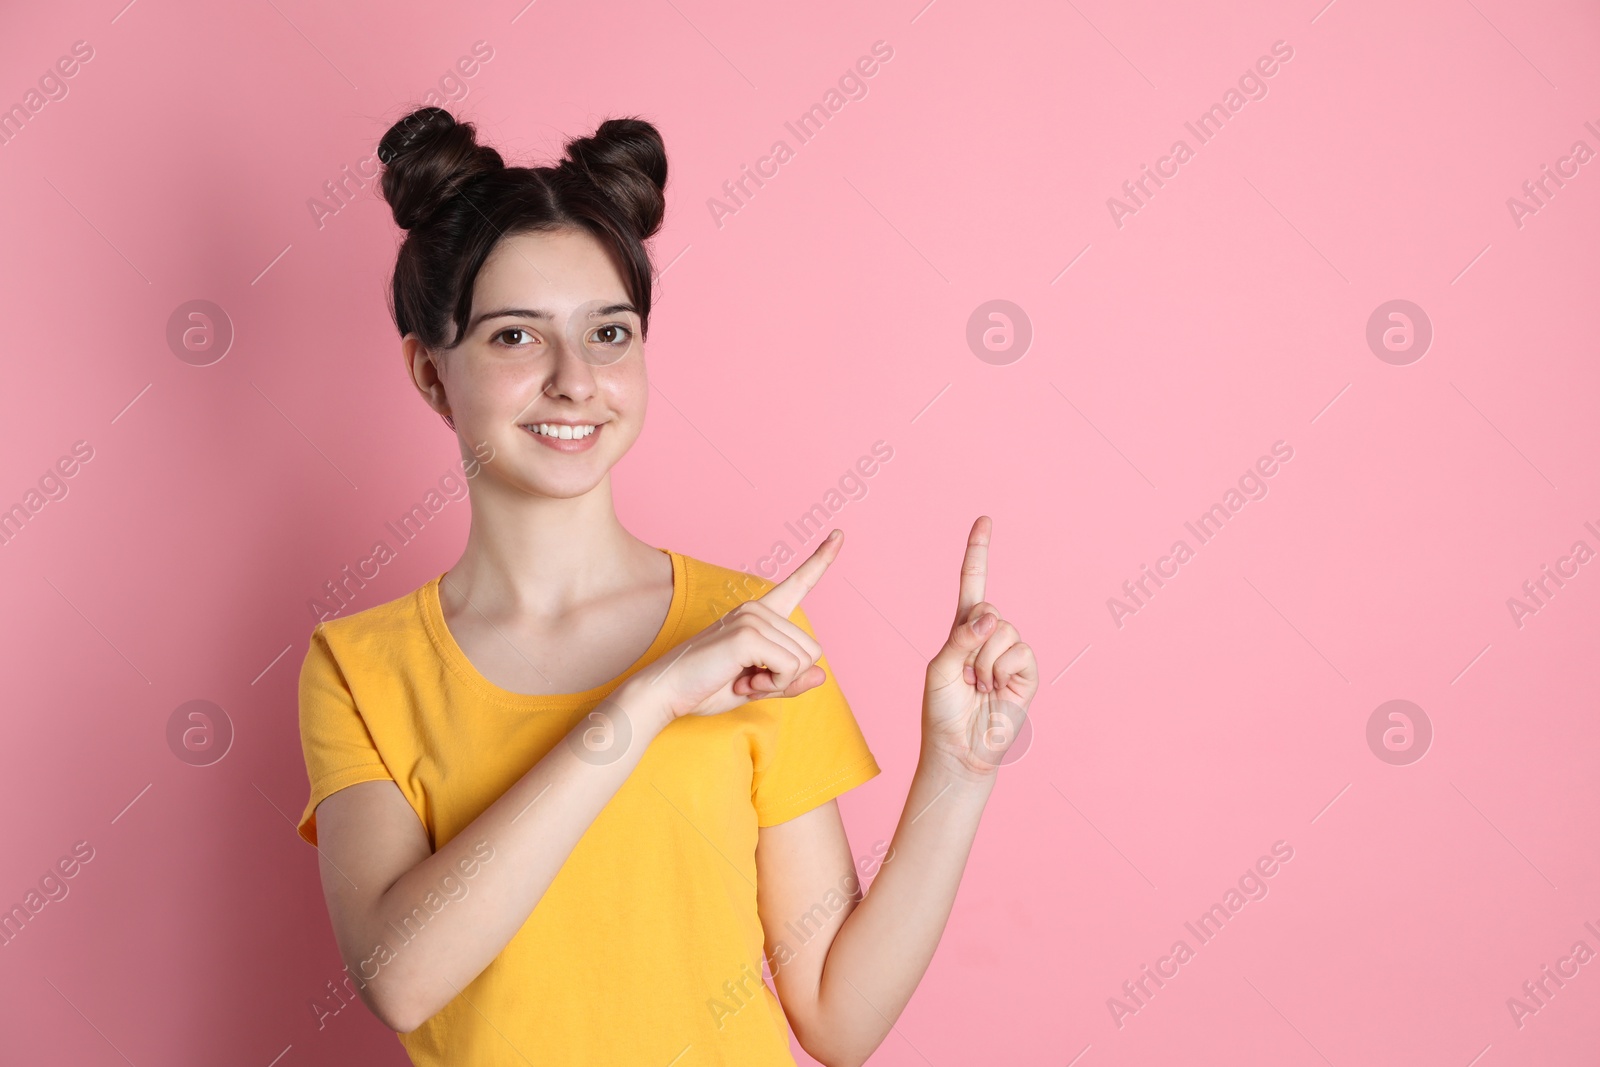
(577, 444)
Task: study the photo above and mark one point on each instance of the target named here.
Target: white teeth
(561, 432)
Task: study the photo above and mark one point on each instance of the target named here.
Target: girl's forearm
(884, 947)
(420, 958)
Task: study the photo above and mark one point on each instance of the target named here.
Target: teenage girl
(574, 798)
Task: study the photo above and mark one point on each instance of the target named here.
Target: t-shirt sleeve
(338, 747)
(820, 751)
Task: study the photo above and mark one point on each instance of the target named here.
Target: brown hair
(456, 199)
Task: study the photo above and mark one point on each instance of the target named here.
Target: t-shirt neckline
(444, 643)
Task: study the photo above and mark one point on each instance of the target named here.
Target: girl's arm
(377, 872)
(377, 869)
(845, 973)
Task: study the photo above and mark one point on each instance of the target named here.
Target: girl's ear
(423, 367)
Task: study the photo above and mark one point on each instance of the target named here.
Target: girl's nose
(571, 377)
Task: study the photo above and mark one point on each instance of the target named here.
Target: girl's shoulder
(405, 615)
(713, 589)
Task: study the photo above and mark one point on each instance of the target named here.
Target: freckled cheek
(626, 391)
(506, 388)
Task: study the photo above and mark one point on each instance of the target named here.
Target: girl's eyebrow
(538, 313)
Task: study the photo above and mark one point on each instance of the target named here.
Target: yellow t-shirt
(625, 959)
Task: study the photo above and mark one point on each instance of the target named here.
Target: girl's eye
(613, 334)
(514, 330)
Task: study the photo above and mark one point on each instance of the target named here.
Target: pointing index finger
(974, 568)
(787, 594)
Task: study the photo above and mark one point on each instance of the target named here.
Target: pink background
(1228, 313)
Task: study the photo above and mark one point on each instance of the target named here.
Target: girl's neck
(541, 556)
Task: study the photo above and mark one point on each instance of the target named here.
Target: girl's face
(547, 388)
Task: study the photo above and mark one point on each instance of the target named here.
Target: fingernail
(834, 536)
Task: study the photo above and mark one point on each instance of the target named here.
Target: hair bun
(428, 157)
(627, 162)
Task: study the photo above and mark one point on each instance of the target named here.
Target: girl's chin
(546, 483)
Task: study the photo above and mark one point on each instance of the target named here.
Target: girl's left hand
(980, 684)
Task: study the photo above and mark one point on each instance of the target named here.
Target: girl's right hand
(752, 653)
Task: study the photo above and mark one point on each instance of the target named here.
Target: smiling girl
(571, 801)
